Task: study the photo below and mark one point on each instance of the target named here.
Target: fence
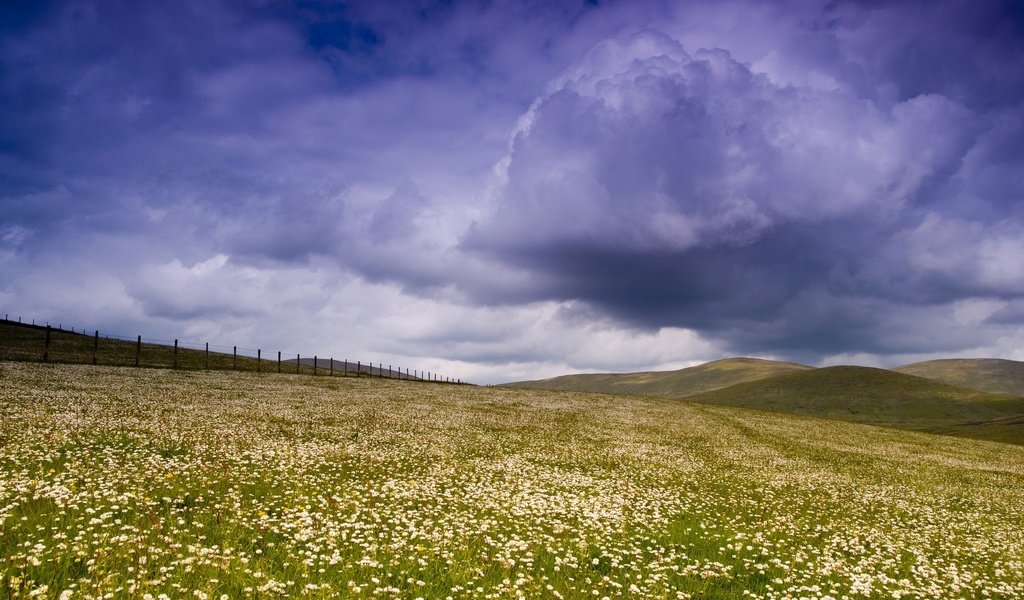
(43, 342)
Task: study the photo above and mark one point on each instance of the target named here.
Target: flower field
(146, 483)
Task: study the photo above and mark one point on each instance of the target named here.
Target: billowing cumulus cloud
(521, 188)
(682, 187)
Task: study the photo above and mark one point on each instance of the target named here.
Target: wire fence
(31, 341)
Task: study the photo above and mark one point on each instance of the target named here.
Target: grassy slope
(668, 384)
(173, 482)
(881, 397)
(986, 374)
(27, 342)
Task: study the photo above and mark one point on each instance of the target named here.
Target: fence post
(175, 354)
(390, 374)
(46, 346)
(138, 349)
(346, 367)
(359, 369)
(234, 358)
(278, 361)
(314, 365)
(95, 346)
(259, 360)
(332, 367)
(207, 356)
(298, 359)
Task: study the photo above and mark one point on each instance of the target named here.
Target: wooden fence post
(314, 365)
(207, 356)
(259, 360)
(46, 346)
(278, 361)
(234, 358)
(332, 367)
(138, 350)
(346, 367)
(359, 369)
(175, 354)
(95, 346)
(298, 359)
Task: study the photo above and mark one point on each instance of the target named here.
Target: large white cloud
(675, 186)
(645, 146)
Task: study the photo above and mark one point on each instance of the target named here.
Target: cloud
(683, 188)
(528, 186)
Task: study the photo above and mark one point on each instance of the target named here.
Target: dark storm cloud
(680, 186)
(236, 118)
(148, 118)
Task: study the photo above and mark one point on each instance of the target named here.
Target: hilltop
(881, 397)
(986, 374)
(668, 384)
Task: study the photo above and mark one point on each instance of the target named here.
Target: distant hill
(881, 397)
(987, 374)
(668, 384)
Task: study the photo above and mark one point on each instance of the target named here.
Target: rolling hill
(986, 374)
(880, 397)
(668, 384)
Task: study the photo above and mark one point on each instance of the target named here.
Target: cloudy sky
(508, 190)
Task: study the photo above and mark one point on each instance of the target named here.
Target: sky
(500, 190)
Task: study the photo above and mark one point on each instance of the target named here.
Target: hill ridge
(986, 374)
(880, 397)
(675, 384)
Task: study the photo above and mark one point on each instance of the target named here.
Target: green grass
(881, 397)
(964, 397)
(668, 384)
(204, 484)
(986, 374)
(28, 342)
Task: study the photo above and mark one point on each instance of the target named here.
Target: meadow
(151, 483)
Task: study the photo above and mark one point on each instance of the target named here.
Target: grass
(203, 484)
(668, 384)
(964, 397)
(986, 374)
(881, 397)
(28, 342)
